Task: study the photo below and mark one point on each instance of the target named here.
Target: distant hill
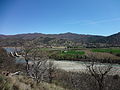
(82, 38)
(59, 38)
(69, 36)
(112, 39)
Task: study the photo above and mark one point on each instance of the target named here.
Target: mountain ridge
(74, 37)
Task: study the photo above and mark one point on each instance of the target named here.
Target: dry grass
(25, 83)
(100, 55)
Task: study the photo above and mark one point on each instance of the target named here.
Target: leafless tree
(37, 64)
(38, 69)
(26, 51)
(99, 71)
(42, 66)
(51, 71)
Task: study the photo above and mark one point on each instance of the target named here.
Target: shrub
(5, 83)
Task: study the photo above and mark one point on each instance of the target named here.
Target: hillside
(63, 38)
(69, 36)
(114, 39)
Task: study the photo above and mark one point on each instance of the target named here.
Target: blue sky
(101, 17)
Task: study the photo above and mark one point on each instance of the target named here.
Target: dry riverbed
(78, 66)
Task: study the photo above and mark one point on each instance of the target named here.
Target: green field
(73, 52)
(67, 54)
(108, 50)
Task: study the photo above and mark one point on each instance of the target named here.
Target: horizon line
(55, 33)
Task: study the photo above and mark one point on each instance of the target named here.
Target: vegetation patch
(108, 50)
(73, 52)
(67, 54)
